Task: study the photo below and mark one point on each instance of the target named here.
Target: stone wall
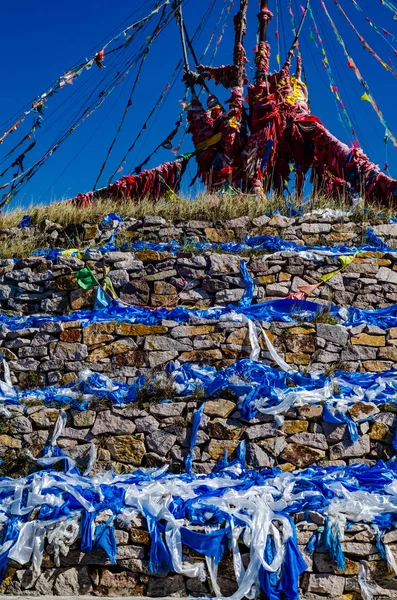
(36, 284)
(151, 434)
(93, 574)
(57, 352)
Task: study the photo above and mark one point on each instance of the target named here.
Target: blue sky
(40, 41)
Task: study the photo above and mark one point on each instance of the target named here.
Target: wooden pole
(239, 52)
(296, 40)
(263, 51)
(179, 18)
(263, 23)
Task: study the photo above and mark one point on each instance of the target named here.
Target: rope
(129, 102)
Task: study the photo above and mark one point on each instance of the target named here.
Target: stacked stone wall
(36, 284)
(152, 434)
(156, 430)
(56, 353)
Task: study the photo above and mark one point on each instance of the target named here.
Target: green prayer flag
(86, 279)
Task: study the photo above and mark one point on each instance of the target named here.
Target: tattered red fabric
(152, 184)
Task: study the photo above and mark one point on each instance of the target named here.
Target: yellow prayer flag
(210, 142)
(329, 276)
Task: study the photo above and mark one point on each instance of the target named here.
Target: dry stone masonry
(150, 278)
(57, 352)
(157, 429)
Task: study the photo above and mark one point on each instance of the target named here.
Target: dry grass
(207, 207)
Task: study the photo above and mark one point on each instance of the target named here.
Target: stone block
(45, 417)
(364, 339)
(107, 422)
(219, 408)
(160, 441)
(363, 410)
(135, 292)
(313, 440)
(126, 449)
(302, 456)
(119, 584)
(73, 582)
(223, 264)
(262, 431)
(216, 448)
(160, 358)
(7, 441)
(259, 458)
(121, 346)
(225, 429)
(348, 449)
(322, 583)
(333, 333)
(164, 343)
(68, 351)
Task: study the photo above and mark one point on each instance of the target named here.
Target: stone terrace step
(37, 285)
(309, 229)
(152, 434)
(57, 352)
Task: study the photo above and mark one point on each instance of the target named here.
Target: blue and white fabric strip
(284, 310)
(231, 508)
(257, 386)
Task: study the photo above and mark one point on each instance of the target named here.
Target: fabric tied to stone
(86, 279)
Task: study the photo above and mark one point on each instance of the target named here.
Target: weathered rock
(119, 584)
(84, 418)
(160, 442)
(172, 585)
(69, 352)
(169, 409)
(333, 333)
(98, 333)
(219, 408)
(222, 264)
(146, 424)
(45, 417)
(302, 456)
(322, 583)
(107, 422)
(135, 292)
(259, 458)
(225, 429)
(159, 358)
(363, 410)
(386, 275)
(82, 298)
(313, 440)
(165, 344)
(121, 346)
(21, 425)
(126, 449)
(217, 448)
(7, 441)
(73, 582)
(348, 449)
(364, 339)
(262, 431)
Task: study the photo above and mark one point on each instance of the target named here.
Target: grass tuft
(208, 207)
